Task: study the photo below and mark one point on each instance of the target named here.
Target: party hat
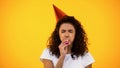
(58, 13)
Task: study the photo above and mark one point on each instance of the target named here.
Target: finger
(62, 46)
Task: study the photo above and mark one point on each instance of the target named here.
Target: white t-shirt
(80, 62)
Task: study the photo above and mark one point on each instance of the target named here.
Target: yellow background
(25, 26)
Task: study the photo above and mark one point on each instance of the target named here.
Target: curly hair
(79, 44)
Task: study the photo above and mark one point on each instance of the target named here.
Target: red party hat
(58, 13)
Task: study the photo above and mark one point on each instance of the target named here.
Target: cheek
(61, 36)
(72, 37)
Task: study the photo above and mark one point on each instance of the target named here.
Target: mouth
(67, 42)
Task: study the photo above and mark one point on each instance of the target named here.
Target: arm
(63, 51)
(60, 62)
(47, 63)
(89, 66)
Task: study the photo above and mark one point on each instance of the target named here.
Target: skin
(67, 34)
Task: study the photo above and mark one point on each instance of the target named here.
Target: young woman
(67, 46)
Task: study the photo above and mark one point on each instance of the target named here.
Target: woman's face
(67, 32)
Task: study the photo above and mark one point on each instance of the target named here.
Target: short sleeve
(46, 54)
(87, 59)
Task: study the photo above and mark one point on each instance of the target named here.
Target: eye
(63, 31)
(71, 31)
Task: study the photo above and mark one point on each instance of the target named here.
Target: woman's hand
(63, 47)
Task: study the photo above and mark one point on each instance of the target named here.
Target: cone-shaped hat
(58, 13)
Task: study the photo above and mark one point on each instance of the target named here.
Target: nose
(66, 35)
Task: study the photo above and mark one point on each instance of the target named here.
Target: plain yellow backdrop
(25, 26)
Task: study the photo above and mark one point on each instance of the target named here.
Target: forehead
(66, 26)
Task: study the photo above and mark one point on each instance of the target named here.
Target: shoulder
(87, 54)
(87, 59)
(46, 54)
(47, 58)
(46, 50)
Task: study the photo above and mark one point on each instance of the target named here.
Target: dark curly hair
(79, 44)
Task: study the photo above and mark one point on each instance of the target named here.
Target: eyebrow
(67, 30)
(70, 30)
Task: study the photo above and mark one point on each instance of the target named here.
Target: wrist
(62, 56)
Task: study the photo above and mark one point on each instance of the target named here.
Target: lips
(67, 42)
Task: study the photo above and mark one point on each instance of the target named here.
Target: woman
(67, 46)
